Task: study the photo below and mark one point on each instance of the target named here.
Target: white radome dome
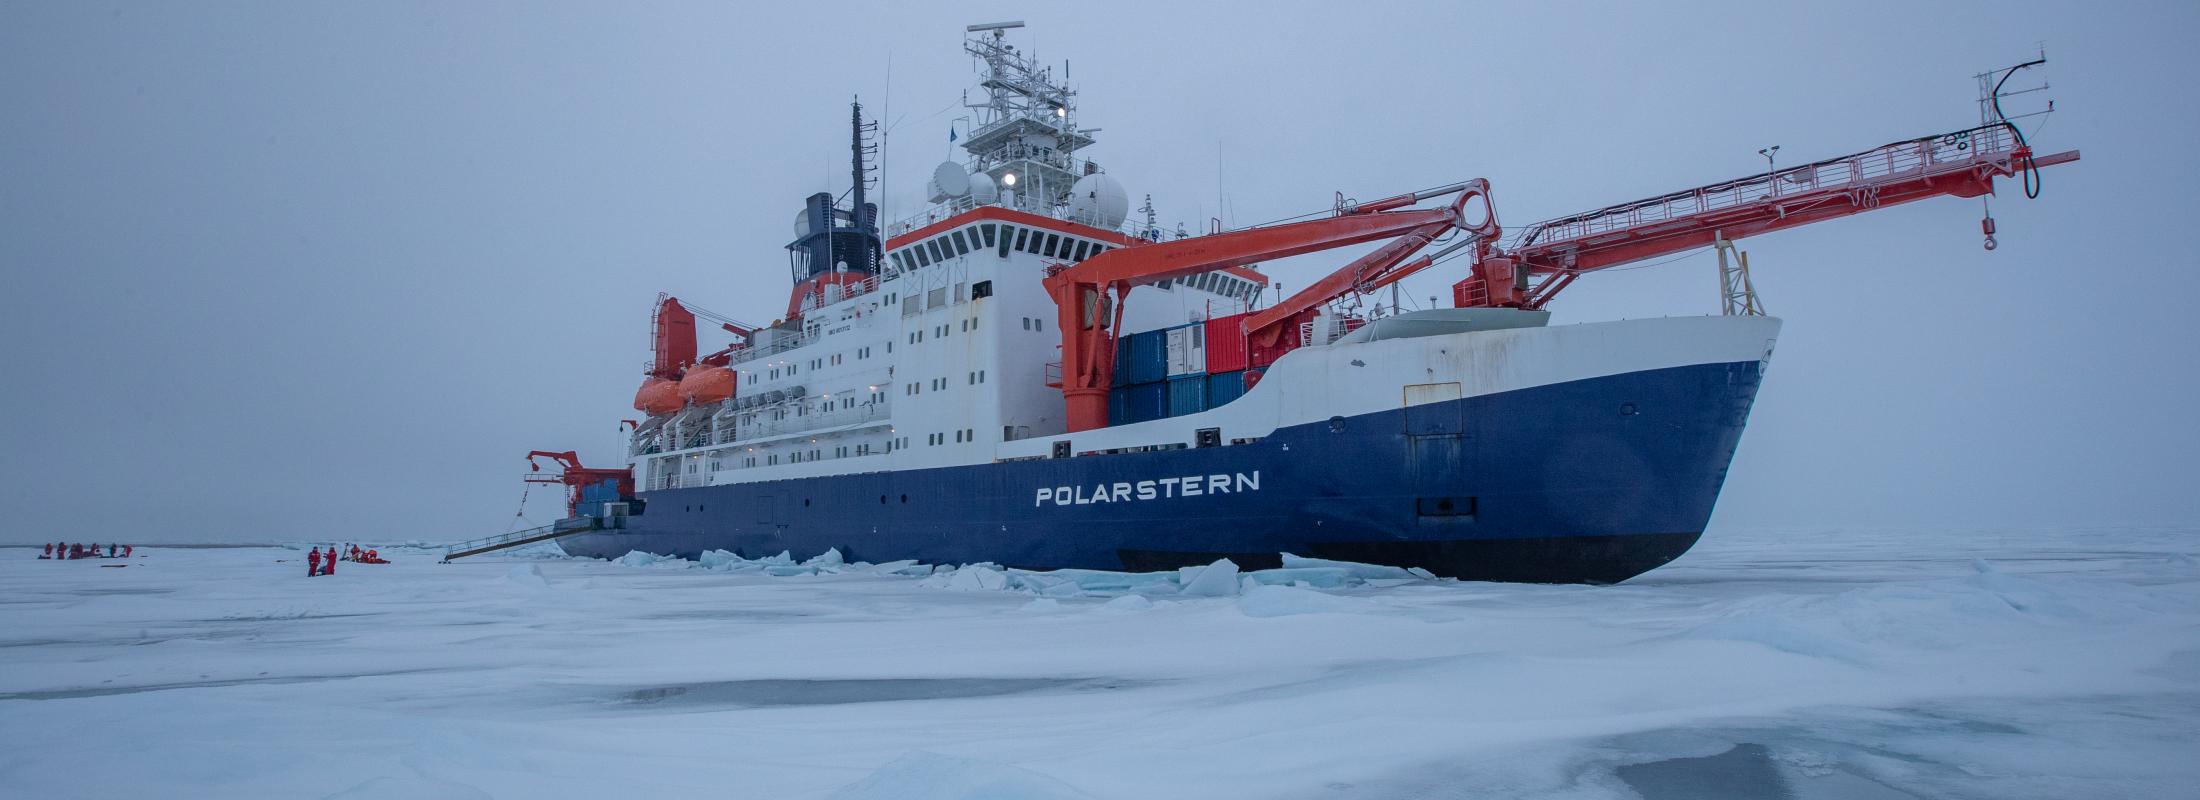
(1099, 201)
(949, 180)
(983, 190)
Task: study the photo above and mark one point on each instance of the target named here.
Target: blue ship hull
(1590, 481)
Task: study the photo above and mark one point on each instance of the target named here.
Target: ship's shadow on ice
(781, 692)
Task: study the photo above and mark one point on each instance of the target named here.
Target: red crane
(575, 476)
(1087, 296)
(1960, 164)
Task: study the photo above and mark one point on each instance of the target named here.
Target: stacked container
(1138, 403)
(1187, 395)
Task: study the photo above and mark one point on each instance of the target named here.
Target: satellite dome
(949, 180)
(983, 190)
(1099, 201)
(801, 223)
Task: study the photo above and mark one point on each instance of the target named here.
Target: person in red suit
(328, 567)
(49, 551)
(313, 563)
(126, 550)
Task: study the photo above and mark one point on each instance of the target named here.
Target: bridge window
(1023, 236)
(986, 230)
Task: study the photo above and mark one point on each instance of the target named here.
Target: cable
(2031, 170)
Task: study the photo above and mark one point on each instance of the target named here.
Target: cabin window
(1053, 240)
(961, 247)
(1099, 248)
(921, 260)
(986, 232)
(934, 247)
(1023, 235)
(1081, 248)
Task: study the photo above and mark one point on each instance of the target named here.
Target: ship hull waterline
(1587, 481)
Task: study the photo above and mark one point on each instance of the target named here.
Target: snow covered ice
(1803, 664)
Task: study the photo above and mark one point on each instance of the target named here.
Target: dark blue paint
(1223, 387)
(1187, 395)
(1627, 467)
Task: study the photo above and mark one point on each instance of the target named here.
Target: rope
(521, 515)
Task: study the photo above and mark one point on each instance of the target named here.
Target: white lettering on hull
(1156, 489)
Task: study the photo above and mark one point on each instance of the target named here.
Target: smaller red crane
(575, 477)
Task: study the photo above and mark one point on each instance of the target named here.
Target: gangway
(557, 530)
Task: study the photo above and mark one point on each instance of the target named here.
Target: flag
(950, 133)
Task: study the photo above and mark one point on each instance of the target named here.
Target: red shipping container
(1226, 351)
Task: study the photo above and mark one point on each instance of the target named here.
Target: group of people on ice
(320, 564)
(65, 552)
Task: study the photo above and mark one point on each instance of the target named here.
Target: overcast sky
(308, 271)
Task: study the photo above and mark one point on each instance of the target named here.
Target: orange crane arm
(1087, 295)
(1959, 164)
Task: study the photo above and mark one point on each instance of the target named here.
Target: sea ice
(1847, 661)
(931, 776)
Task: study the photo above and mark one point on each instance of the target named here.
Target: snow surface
(1802, 664)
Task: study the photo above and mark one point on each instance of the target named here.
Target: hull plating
(1594, 480)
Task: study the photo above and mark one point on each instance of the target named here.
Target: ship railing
(763, 429)
(814, 301)
(783, 343)
(563, 527)
(1860, 172)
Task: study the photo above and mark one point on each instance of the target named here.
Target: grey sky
(284, 271)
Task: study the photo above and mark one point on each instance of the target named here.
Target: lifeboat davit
(657, 396)
(705, 385)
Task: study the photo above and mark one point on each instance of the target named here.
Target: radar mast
(1026, 138)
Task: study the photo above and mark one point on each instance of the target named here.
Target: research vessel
(1029, 372)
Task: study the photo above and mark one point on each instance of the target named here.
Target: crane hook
(1987, 226)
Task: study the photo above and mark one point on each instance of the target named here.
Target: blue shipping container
(1187, 395)
(1223, 387)
(1122, 363)
(1148, 358)
(1119, 404)
(1145, 401)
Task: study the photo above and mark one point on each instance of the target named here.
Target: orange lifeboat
(658, 396)
(705, 385)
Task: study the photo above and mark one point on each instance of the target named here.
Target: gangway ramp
(562, 528)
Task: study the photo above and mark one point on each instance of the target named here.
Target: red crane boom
(1087, 296)
(1960, 164)
(574, 476)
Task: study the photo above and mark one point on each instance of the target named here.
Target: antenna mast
(1026, 136)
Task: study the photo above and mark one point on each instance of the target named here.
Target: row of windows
(962, 435)
(1223, 284)
(813, 454)
(1034, 324)
(815, 363)
(1002, 239)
